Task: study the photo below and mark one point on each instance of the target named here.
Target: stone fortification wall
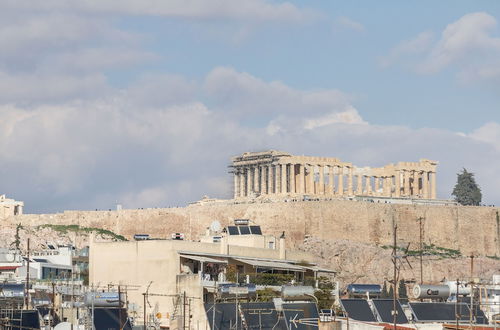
(468, 229)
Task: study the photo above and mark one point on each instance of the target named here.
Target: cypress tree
(466, 191)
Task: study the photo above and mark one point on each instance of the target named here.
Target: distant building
(10, 207)
(172, 269)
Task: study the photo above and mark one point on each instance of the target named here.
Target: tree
(466, 191)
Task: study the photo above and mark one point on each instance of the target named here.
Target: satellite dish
(64, 326)
(215, 226)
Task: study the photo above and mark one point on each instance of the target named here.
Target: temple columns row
(330, 180)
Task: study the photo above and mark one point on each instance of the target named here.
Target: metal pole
(119, 308)
(93, 298)
(53, 301)
(421, 251)
(27, 291)
(456, 305)
(144, 294)
(189, 314)
(184, 310)
(394, 260)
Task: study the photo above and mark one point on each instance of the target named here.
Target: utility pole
(145, 294)
(395, 278)
(53, 302)
(421, 248)
(27, 291)
(456, 306)
(184, 310)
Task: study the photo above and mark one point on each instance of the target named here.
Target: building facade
(280, 173)
(10, 207)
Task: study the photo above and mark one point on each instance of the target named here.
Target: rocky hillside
(366, 263)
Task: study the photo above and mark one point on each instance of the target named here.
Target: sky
(143, 102)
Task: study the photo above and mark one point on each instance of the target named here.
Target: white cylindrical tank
(104, 299)
(431, 291)
(463, 289)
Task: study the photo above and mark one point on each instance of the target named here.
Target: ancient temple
(280, 173)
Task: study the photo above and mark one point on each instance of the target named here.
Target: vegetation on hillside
(64, 229)
(429, 250)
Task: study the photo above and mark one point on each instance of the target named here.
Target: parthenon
(279, 173)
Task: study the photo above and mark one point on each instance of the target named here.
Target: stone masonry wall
(468, 229)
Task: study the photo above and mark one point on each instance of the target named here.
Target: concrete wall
(465, 228)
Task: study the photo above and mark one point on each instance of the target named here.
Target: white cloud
(349, 23)
(468, 45)
(261, 10)
(417, 45)
(170, 151)
(489, 133)
(27, 88)
(242, 95)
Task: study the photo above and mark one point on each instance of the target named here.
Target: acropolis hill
(328, 213)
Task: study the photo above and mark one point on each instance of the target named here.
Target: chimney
(224, 245)
(282, 246)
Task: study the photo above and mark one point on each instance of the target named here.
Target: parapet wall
(472, 230)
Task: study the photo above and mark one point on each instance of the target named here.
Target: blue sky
(144, 102)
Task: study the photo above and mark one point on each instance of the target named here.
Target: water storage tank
(360, 290)
(104, 299)
(291, 293)
(233, 290)
(463, 289)
(431, 291)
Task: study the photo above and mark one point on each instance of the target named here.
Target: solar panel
(244, 230)
(256, 230)
(358, 309)
(233, 230)
(301, 316)
(223, 314)
(432, 312)
(384, 308)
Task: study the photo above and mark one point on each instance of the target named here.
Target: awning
(320, 270)
(203, 259)
(271, 264)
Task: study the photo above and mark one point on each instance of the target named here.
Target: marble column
(276, 184)
(433, 185)
(236, 193)
(321, 179)
(268, 179)
(311, 179)
(293, 189)
(388, 186)
(331, 180)
(262, 178)
(406, 189)
(397, 190)
(376, 182)
(301, 185)
(283, 179)
(350, 178)
(416, 186)
(341, 181)
(241, 177)
(248, 182)
(359, 185)
(256, 179)
(368, 184)
(425, 184)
